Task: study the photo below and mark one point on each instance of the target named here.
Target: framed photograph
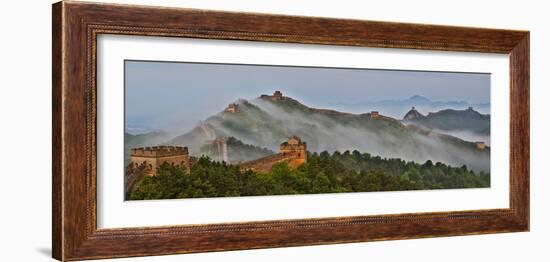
(182, 130)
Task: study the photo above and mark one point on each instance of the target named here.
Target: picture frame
(75, 30)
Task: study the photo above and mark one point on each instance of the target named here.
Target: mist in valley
(466, 135)
(322, 132)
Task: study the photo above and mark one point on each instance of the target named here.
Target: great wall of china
(293, 152)
(144, 161)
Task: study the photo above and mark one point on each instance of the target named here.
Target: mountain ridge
(268, 120)
(451, 120)
(396, 108)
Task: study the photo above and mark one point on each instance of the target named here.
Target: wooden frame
(76, 26)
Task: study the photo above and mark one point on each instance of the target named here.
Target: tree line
(322, 173)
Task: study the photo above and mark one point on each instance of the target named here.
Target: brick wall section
(262, 165)
(293, 152)
(153, 157)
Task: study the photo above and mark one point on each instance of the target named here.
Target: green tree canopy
(322, 173)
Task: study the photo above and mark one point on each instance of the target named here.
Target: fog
(466, 135)
(324, 133)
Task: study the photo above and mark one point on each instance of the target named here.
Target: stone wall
(293, 152)
(153, 157)
(262, 165)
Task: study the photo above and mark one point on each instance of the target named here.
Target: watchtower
(231, 108)
(153, 157)
(295, 149)
(277, 95)
(480, 145)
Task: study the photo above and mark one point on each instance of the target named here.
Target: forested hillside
(322, 173)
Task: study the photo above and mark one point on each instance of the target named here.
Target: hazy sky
(175, 96)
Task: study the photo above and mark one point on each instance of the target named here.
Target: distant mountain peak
(413, 114)
(419, 98)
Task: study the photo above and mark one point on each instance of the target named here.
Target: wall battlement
(159, 151)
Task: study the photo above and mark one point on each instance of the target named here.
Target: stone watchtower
(374, 114)
(480, 145)
(153, 157)
(231, 108)
(277, 96)
(295, 150)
